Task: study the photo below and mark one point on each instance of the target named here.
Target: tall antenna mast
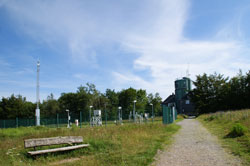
(37, 95)
(37, 85)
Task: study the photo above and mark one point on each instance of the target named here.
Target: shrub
(182, 116)
(210, 118)
(237, 130)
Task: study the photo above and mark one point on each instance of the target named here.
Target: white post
(68, 118)
(37, 96)
(152, 111)
(120, 114)
(90, 114)
(134, 110)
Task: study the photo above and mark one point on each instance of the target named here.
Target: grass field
(127, 144)
(222, 123)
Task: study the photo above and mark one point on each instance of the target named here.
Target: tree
(112, 103)
(157, 100)
(126, 98)
(50, 107)
(79, 101)
(68, 101)
(142, 100)
(16, 106)
(248, 88)
(215, 92)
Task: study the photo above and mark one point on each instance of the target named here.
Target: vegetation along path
(195, 146)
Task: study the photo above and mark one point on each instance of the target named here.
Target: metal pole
(152, 113)
(90, 114)
(120, 114)
(105, 115)
(134, 110)
(80, 119)
(68, 119)
(116, 119)
(37, 96)
(16, 121)
(57, 120)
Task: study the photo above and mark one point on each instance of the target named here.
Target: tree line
(212, 93)
(80, 101)
(215, 92)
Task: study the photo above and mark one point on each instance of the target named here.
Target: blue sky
(119, 44)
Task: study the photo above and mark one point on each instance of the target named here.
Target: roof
(169, 99)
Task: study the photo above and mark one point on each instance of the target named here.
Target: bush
(182, 116)
(210, 118)
(237, 130)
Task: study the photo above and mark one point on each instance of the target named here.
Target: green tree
(50, 107)
(126, 98)
(142, 100)
(112, 103)
(16, 106)
(157, 100)
(216, 92)
(248, 89)
(68, 101)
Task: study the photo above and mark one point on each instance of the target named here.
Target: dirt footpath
(195, 146)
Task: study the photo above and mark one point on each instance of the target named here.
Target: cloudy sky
(119, 44)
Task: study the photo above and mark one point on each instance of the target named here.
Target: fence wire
(61, 120)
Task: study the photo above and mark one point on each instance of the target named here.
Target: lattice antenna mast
(37, 95)
(37, 85)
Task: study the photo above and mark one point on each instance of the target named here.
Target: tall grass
(128, 144)
(233, 129)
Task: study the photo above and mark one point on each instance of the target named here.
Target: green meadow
(128, 144)
(233, 130)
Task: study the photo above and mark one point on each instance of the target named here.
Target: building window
(187, 102)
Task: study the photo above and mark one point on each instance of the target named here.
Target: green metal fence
(169, 114)
(61, 120)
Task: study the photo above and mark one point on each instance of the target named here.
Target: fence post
(105, 117)
(57, 120)
(16, 121)
(80, 119)
(3, 123)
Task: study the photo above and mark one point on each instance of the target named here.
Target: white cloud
(151, 30)
(166, 54)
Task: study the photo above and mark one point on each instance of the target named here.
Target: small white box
(97, 113)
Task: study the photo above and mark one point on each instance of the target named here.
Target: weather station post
(37, 95)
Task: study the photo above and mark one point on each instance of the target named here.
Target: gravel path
(195, 146)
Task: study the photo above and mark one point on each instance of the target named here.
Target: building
(181, 98)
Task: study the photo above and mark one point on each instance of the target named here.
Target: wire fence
(76, 119)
